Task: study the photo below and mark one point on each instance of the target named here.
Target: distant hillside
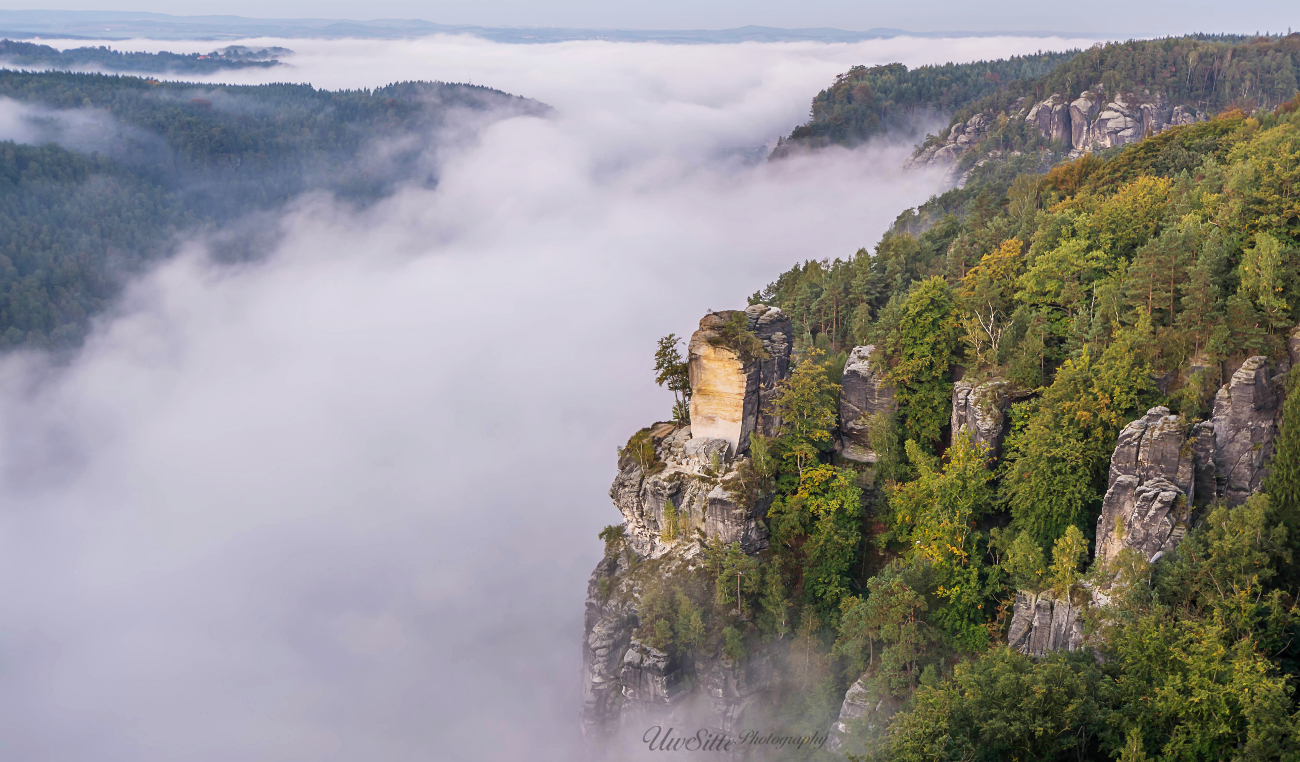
(111, 169)
(1200, 74)
(16, 54)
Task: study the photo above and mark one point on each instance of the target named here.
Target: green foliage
(32, 55)
(1006, 706)
(670, 528)
(893, 615)
(807, 403)
(1068, 552)
(615, 538)
(1055, 467)
(921, 352)
(733, 644)
(673, 372)
(640, 449)
(734, 334)
(865, 102)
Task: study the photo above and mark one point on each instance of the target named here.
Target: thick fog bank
(341, 504)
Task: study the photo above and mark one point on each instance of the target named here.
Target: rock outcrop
(863, 714)
(961, 138)
(1088, 123)
(982, 410)
(1041, 624)
(1246, 413)
(863, 393)
(1150, 490)
(731, 385)
(628, 683)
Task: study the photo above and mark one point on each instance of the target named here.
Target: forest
(19, 54)
(127, 164)
(1209, 72)
(1104, 287)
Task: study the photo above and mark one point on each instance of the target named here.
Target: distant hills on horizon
(101, 25)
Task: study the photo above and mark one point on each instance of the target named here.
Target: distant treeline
(24, 54)
(149, 159)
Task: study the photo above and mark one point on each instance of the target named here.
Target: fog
(341, 503)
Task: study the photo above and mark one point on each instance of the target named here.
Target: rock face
(730, 394)
(1246, 413)
(1151, 487)
(961, 138)
(981, 410)
(1041, 624)
(628, 685)
(863, 710)
(1052, 118)
(863, 393)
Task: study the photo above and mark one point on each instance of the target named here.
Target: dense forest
(1210, 73)
(1100, 289)
(121, 164)
(1089, 294)
(20, 54)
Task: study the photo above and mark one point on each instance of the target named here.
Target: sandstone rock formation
(1150, 490)
(982, 410)
(730, 393)
(961, 138)
(863, 709)
(1246, 413)
(1041, 624)
(1158, 474)
(863, 393)
(627, 682)
(1088, 123)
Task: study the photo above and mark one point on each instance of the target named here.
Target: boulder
(1116, 125)
(731, 392)
(1150, 489)
(863, 393)
(1052, 117)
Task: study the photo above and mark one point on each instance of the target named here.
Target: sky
(1115, 18)
(341, 503)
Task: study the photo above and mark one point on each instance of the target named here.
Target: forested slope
(116, 166)
(32, 55)
(930, 570)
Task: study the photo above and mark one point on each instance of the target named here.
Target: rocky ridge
(1085, 124)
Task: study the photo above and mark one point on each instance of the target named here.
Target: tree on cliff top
(673, 372)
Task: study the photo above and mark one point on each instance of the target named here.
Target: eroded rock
(981, 410)
(731, 390)
(1244, 424)
(863, 393)
(1041, 624)
(1150, 489)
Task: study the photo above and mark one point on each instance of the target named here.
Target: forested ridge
(1103, 288)
(28, 54)
(117, 166)
(1209, 72)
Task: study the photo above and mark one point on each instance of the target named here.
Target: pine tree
(1283, 481)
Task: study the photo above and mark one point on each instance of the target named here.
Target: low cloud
(341, 503)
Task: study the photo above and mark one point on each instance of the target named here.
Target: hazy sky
(1117, 17)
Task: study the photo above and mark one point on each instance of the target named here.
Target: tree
(1054, 468)
(808, 405)
(673, 372)
(920, 350)
(669, 531)
(987, 293)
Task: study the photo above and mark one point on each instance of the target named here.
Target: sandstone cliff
(982, 411)
(628, 683)
(732, 384)
(1092, 121)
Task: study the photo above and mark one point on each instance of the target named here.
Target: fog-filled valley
(338, 499)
